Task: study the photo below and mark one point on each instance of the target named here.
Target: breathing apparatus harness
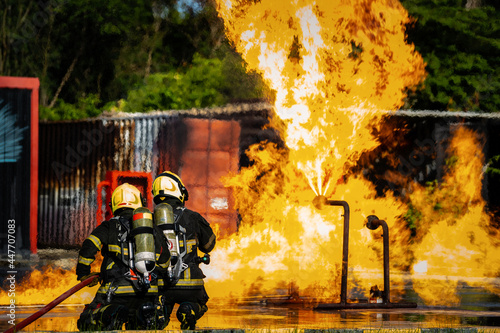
(168, 222)
(138, 239)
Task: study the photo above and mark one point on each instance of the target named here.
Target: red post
(34, 169)
(102, 184)
(142, 180)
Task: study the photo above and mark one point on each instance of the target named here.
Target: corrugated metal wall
(74, 158)
(199, 145)
(208, 156)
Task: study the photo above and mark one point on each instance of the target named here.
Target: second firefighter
(187, 232)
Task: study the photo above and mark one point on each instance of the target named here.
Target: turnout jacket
(114, 270)
(199, 236)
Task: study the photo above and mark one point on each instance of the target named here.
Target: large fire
(42, 286)
(336, 67)
(454, 238)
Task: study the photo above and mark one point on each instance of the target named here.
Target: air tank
(142, 229)
(164, 219)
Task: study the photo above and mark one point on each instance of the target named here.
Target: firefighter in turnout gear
(187, 232)
(135, 258)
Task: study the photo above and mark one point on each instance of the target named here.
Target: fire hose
(17, 327)
(52, 304)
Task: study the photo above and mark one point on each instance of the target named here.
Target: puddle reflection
(63, 318)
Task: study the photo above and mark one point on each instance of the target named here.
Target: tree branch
(66, 77)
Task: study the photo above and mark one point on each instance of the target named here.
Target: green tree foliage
(173, 90)
(73, 46)
(89, 54)
(87, 106)
(205, 83)
(461, 47)
(493, 167)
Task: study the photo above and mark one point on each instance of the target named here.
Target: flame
(43, 285)
(335, 66)
(454, 236)
(286, 241)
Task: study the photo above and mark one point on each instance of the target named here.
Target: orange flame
(335, 66)
(43, 285)
(456, 241)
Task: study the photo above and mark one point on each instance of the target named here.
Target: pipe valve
(320, 202)
(373, 222)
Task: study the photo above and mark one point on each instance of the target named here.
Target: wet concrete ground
(268, 318)
(479, 311)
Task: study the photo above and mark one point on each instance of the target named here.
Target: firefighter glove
(94, 282)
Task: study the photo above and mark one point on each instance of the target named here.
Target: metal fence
(74, 158)
(203, 145)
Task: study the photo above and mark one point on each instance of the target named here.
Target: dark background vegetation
(141, 55)
(93, 56)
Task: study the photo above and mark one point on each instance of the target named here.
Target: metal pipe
(345, 249)
(364, 306)
(373, 223)
(319, 202)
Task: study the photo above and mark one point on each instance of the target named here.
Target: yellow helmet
(126, 196)
(168, 184)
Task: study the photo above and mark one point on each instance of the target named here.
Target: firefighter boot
(187, 316)
(146, 317)
(113, 317)
(103, 318)
(162, 313)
